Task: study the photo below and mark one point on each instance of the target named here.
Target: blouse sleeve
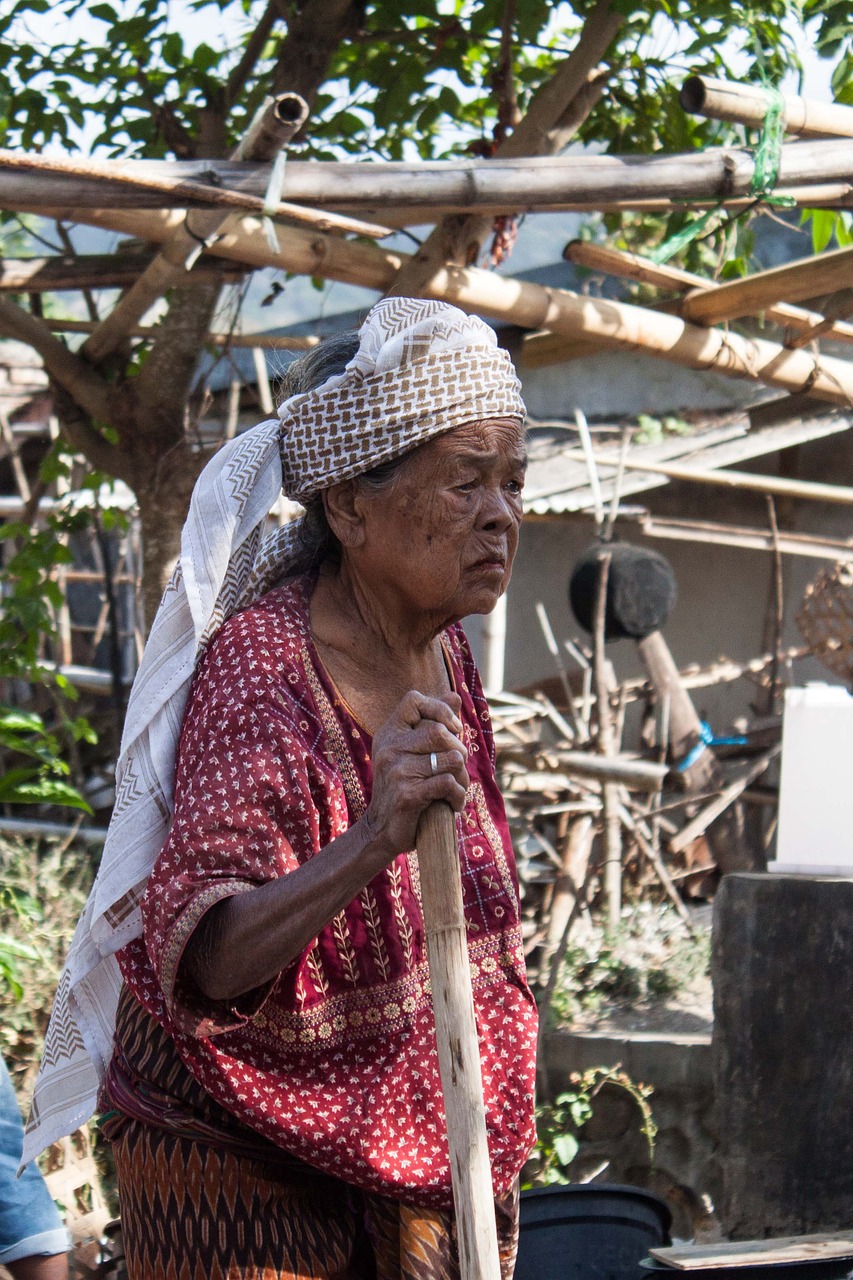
(243, 803)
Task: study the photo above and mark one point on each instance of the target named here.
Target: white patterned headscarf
(422, 368)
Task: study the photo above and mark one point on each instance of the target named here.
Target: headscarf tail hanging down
(422, 368)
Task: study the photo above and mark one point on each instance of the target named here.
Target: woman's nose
(497, 511)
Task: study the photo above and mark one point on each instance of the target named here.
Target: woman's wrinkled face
(444, 537)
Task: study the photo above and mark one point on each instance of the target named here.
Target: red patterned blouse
(334, 1060)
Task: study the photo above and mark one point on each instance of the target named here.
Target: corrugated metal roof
(558, 480)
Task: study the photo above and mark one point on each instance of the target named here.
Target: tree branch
(177, 137)
(541, 132)
(165, 379)
(236, 81)
(82, 383)
(313, 35)
(77, 428)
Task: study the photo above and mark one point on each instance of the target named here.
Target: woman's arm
(244, 941)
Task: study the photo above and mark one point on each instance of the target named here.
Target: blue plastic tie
(707, 739)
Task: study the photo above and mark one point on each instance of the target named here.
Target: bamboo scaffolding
(805, 278)
(184, 194)
(97, 271)
(238, 341)
(277, 121)
(747, 104)
(632, 266)
(497, 185)
(520, 302)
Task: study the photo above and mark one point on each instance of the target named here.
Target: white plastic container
(816, 790)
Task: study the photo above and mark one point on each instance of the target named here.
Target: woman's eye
(468, 486)
(515, 486)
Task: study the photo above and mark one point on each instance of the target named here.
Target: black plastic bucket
(589, 1232)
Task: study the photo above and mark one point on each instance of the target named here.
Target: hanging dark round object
(641, 590)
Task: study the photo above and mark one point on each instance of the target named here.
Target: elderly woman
(273, 1097)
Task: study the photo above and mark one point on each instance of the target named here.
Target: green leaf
(823, 228)
(565, 1148)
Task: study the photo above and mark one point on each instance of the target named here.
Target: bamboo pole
(520, 302)
(805, 278)
(278, 120)
(722, 535)
(632, 266)
(95, 271)
(811, 490)
(244, 341)
(458, 1045)
(497, 185)
(181, 193)
(747, 104)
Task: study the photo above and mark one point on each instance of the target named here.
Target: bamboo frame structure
(277, 121)
(633, 266)
(520, 302)
(747, 104)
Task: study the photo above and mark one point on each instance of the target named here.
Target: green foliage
(559, 1126)
(828, 225)
(42, 892)
(414, 73)
(652, 430)
(648, 958)
(33, 768)
(42, 779)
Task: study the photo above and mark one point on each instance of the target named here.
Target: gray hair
(328, 358)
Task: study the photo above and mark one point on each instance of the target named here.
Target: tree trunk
(163, 502)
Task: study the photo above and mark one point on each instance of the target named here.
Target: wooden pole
(607, 747)
(520, 302)
(250, 341)
(272, 128)
(458, 1045)
(805, 278)
(811, 490)
(95, 271)
(193, 194)
(497, 185)
(747, 104)
(632, 266)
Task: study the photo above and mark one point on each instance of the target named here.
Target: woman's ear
(344, 514)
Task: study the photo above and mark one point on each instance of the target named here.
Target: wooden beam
(806, 278)
(57, 274)
(807, 489)
(277, 121)
(503, 185)
(244, 341)
(723, 535)
(747, 104)
(520, 302)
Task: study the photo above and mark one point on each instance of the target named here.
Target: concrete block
(782, 965)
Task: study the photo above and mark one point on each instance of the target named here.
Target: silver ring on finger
(433, 763)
